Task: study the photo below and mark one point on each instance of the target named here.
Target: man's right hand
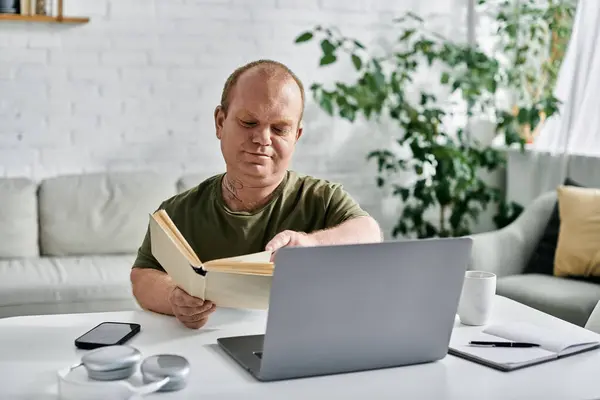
(192, 311)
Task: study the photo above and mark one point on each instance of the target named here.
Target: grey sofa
(506, 252)
(67, 243)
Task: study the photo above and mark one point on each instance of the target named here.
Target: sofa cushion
(568, 299)
(99, 213)
(65, 284)
(18, 218)
(578, 248)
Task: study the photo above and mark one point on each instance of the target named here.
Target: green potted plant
(534, 35)
(447, 163)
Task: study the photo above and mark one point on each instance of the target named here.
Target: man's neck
(240, 196)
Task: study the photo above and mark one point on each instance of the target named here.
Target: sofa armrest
(507, 250)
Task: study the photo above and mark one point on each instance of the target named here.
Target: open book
(553, 344)
(239, 282)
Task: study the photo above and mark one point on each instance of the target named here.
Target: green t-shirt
(300, 203)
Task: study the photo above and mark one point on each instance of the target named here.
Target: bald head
(269, 73)
(259, 122)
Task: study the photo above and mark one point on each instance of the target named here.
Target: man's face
(259, 133)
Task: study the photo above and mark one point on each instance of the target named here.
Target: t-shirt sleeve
(144, 258)
(341, 208)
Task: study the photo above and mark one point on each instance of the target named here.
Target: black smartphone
(107, 334)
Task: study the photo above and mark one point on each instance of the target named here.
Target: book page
(164, 248)
(167, 224)
(555, 340)
(498, 355)
(253, 264)
(239, 269)
(238, 290)
(261, 257)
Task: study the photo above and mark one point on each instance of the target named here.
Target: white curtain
(576, 129)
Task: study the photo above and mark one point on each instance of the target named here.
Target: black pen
(502, 344)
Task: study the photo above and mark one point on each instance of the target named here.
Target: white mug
(477, 297)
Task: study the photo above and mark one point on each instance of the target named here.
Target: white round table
(34, 348)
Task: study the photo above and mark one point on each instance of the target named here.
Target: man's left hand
(290, 238)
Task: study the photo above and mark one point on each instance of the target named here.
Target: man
(257, 204)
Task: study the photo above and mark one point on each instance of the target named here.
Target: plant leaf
(327, 47)
(305, 37)
(407, 34)
(327, 59)
(414, 16)
(523, 116)
(326, 104)
(356, 61)
(359, 44)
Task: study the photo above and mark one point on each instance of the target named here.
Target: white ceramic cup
(477, 297)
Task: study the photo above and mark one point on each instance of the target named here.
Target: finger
(196, 324)
(188, 301)
(197, 316)
(182, 299)
(280, 240)
(273, 244)
(194, 318)
(187, 311)
(191, 311)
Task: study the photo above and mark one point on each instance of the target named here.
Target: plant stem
(442, 218)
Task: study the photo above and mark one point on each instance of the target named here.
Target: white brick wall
(136, 87)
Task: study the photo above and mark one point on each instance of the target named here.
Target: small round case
(111, 363)
(158, 367)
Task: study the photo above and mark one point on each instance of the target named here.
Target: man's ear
(299, 132)
(219, 120)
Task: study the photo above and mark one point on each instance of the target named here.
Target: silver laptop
(346, 308)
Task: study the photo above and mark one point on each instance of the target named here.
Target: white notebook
(554, 343)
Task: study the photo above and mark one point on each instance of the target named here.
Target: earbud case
(158, 367)
(111, 362)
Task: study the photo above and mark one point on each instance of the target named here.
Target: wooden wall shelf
(59, 18)
(44, 18)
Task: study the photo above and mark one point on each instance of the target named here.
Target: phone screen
(108, 333)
